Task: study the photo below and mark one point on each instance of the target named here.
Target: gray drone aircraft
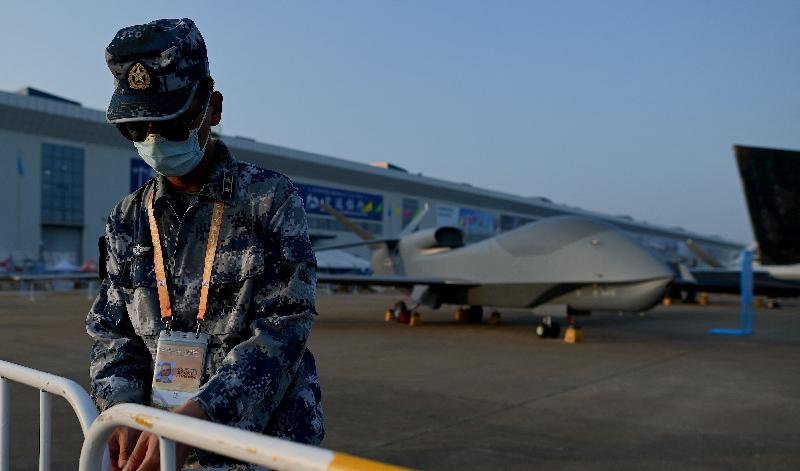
(583, 263)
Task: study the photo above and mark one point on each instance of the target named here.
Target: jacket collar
(221, 182)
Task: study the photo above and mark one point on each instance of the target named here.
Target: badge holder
(180, 358)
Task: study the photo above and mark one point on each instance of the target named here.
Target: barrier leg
(45, 430)
(166, 448)
(5, 421)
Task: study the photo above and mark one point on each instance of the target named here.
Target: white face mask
(174, 158)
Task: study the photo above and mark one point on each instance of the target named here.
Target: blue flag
(20, 168)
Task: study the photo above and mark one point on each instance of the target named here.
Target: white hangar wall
(63, 168)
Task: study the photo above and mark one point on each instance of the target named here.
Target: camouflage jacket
(259, 375)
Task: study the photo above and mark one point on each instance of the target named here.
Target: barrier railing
(48, 385)
(27, 282)
(249, 447)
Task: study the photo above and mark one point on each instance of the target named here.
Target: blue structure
(747, 310)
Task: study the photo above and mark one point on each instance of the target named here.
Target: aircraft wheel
(404, 317)
(554, 331)
(475, 315)
(773, 304)
(401, 312)
(542, 330)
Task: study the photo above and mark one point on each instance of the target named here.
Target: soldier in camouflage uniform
(259, 375)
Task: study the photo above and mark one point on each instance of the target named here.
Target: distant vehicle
(585, 264)
(771, 182)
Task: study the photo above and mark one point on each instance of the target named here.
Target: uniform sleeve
(119, 360)
(254, 376)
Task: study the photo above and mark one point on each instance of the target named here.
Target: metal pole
(752, 310)
(5, 420)
(45, 430)
(19, 202)
(167, 450)
(746, 297)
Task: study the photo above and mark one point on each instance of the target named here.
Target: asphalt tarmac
(651, 392)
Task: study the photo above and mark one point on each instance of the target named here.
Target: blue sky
(624, 107)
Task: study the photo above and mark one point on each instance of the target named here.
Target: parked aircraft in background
(582, 263)
(771, 182)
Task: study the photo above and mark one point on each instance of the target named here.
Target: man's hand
(146, 455)
(120, 446)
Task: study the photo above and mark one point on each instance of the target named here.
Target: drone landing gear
(470, 315)
(548, 328)
(399, 312)
(402, 314)
(773, 303)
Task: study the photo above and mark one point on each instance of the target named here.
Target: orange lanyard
(208, 263)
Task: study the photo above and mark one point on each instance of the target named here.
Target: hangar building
(63, 167)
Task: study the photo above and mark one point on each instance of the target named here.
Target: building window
(62, 185)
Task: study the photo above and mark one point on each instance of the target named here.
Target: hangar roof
(38, 115)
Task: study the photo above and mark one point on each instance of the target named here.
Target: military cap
(156, 68)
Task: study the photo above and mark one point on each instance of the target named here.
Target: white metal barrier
(47, 384)
(253, 448)
(27, 282)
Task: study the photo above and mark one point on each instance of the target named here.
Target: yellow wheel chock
(573, 335)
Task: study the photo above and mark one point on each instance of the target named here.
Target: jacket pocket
(143, 306)
(236, 266)
(234, 281)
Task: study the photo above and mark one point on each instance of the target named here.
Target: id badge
(180, 357)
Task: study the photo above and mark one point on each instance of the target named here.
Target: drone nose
(632, 261)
